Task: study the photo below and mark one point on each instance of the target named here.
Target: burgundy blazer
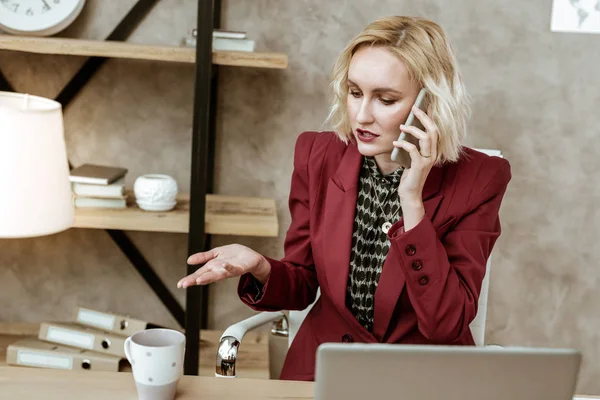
(431, 279)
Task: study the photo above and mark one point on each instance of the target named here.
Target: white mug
(156, 358)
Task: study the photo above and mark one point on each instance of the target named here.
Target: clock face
(31, 7)
(38, 17)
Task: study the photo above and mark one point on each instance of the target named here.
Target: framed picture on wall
(582, 16)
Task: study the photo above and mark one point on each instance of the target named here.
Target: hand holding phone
(401, 156)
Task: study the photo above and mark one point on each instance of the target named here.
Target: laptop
(360, 371)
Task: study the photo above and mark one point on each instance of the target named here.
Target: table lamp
(35, 192)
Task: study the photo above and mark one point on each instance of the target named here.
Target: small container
(155, 192)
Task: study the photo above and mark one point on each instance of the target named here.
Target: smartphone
(401, 156)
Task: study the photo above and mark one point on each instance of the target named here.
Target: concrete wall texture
(534, 97)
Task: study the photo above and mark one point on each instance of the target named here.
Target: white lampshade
(35, 192)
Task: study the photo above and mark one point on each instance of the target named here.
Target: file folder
(112, 323)
(35, 353)
(82, 337)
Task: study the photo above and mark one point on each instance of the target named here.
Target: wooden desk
(253, 356)
(32, 383)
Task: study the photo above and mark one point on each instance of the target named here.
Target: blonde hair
(429, 57)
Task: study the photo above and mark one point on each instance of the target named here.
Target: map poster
(581, 16)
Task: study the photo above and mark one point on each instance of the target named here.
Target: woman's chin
(371, 150)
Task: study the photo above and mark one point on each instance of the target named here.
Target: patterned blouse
(370, 244)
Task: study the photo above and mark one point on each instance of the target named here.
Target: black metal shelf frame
(195, 316)
(202, 180)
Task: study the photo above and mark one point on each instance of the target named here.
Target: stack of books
(94, 341)
(98, 186)
(224, 40)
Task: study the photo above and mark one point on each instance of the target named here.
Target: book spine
(222, 33)
(93, 181)
(233, 45)
(229, 34)
(91, 202)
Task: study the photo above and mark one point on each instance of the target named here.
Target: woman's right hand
(226, 262)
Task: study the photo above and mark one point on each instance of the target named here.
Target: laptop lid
(380, 371)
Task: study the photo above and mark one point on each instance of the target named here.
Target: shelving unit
(199, 213)
(115, 49)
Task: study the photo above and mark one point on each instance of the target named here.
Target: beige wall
(535, 98)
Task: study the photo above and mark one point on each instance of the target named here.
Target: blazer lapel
(392, 279)
(340, 208)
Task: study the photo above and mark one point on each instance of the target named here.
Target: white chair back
(295, 319)
(477, 326)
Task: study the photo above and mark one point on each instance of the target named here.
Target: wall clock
(38, 17)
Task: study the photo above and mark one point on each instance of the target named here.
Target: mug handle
(127, 349)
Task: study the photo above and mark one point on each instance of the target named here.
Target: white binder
(113, 323)
(35, 353)
(82, 337)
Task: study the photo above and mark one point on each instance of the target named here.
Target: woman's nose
(364, 115)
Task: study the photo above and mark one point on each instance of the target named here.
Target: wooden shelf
(113, 49)
(225, 215)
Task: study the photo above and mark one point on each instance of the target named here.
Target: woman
(398, 253)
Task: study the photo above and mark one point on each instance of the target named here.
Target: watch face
(38, 16)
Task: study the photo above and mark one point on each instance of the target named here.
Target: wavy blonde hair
(429, 57)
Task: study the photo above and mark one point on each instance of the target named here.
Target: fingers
(195, 259)
(416, 158)
(215, 274)
(429, 126)
(210, 273)
(189, 280)
(424, 118)
(202, 258)
(424, 138)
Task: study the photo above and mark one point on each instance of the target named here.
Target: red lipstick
(366, 136)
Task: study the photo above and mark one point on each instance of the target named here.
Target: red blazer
(431, 279)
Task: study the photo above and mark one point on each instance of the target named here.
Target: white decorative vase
(155, 192)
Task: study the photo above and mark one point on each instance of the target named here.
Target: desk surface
(32, 383)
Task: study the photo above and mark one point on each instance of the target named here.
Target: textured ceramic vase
(155, 192)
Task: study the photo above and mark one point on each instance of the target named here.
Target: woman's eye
(355, 93)
(388, 102)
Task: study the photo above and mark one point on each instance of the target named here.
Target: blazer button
(417, 265)
(347, 338)
(410, 250)
(423, 280)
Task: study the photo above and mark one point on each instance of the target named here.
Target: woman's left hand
(413, 179)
